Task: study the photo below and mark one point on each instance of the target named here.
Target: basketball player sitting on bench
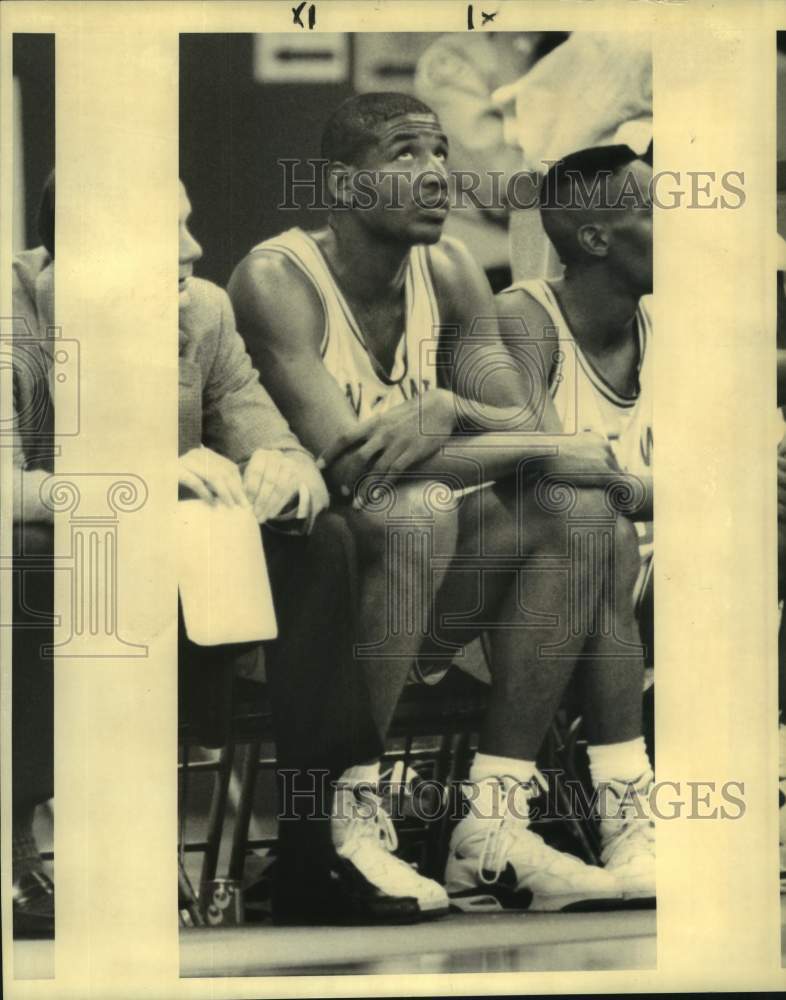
(599, 312)
(235, 448)
(342, 323)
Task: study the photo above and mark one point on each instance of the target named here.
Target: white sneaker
(365, 839)
(496, 862)
(628, 835)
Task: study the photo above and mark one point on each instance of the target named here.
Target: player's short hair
(352, 127)
(571, 191)
(46, 215)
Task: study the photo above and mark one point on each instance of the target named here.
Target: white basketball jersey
(584, 401)
(343, 348)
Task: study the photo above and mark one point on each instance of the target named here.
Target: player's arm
(482, 423)
(281, 320)
(516, 309)
(501, 352)
(498, 373)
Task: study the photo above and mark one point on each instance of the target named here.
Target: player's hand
(390, 443)
(275, 480)
(586, 455)
(211, 477)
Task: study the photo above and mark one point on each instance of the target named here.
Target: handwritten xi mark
(312, 15)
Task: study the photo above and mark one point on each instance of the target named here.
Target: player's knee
(594, 508)
(331, 540)
(591, 505)
(402, 511)
(369, 528)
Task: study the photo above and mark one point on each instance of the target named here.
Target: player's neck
(598, 308)
(368, 269)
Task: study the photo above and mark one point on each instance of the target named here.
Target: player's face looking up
(189, 251)
(399, 186)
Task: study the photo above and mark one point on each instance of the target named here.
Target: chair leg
(218, 805)
(249, 769)
(186, 899)
(456, 771)
(437, 830)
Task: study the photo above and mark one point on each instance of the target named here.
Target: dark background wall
(781, 132)
(233, 130)
(34, 67)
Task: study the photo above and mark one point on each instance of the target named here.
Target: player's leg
(518, 559)
(611, 674)
(396, 540)
(335, 855)
(405, 539)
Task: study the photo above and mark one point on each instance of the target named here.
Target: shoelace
(377, 826)
(385, 829)
(495, 845)
(500, 834)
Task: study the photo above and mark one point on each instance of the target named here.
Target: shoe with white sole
(496, 862)
(364, 840)
(628, 835)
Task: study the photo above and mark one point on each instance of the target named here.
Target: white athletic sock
(486, 765)
(361, 774)
(346, 808)
(487, 799)
(618, 761)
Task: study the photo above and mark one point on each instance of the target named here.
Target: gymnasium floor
(460, 943)
(494, 943)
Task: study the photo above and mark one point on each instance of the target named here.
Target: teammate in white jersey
(597, 316)
(597, 211)
(350, 327)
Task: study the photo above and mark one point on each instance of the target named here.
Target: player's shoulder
(268, 274)
(450, 255)
(520, 300)
(453, 268)
(270, 292)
